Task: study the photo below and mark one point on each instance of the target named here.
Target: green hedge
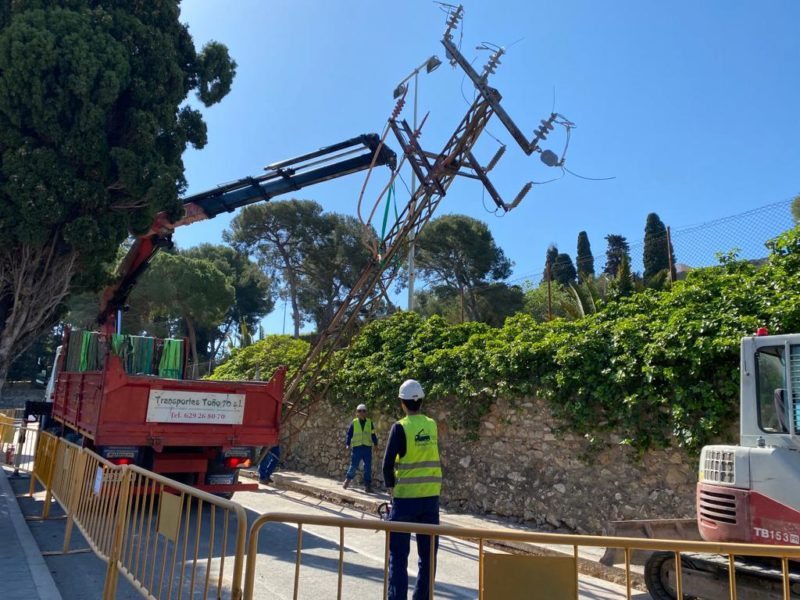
(658, 367)
(267, 354)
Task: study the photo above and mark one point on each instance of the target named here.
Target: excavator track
(705, 577)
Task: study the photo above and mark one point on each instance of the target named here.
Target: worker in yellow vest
(413, 473)
(362, 439)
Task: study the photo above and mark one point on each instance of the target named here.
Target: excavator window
(771, 389)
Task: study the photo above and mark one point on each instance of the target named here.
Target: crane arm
(345, 158)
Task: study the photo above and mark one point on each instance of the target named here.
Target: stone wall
(518, 468)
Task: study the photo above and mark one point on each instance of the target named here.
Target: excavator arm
(345, 158)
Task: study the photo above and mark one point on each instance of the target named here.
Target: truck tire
(656, 576)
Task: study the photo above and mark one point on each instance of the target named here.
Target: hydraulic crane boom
(330, 162)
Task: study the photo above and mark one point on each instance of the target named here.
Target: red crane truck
(132, 412)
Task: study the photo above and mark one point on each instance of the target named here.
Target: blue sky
(693, 107)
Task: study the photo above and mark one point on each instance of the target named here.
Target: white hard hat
(411, 390)
(361, 407)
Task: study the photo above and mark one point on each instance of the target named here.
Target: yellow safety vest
(418, 474)
(363, 437)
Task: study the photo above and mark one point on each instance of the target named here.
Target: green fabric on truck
(171, 363)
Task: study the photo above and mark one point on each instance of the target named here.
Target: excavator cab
(770, 391)
(748, 493)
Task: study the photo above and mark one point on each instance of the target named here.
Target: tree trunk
(34, 281)
(192, 344)
(291, 282)
(3, 373)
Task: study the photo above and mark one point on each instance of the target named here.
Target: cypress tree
(656, 251)
(584, 261)
(624, 277)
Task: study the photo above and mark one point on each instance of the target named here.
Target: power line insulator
(550, 158)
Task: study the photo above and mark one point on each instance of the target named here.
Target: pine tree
(563, 269)
(617, 248)
(656, 256)
(584, 261)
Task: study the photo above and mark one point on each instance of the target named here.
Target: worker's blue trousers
(359, 454)
(413, 510)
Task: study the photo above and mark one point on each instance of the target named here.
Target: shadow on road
(195, 558)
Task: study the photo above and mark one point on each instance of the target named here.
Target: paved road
(363, 574)
(80, 576)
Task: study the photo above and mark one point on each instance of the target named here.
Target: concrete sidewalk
(24, 575)
(332, 491)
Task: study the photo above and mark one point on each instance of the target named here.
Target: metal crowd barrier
(16, 414)
(160, 548)
(17, 442)
(509, 576)
(145, 526)
(173, 541)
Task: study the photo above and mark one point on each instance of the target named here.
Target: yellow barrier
(8, 428)
(162, 530)
(173, 541)
(43, 463)
(16, 414)
(510, 575)
(17, 443)
(145, 526)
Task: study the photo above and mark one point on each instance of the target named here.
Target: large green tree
(314, 256)
(657, 250)
(92, 128)
(496, 302)
(252, 290)
(618, 248)
(280, 235)
(563, 271)
(180, 290)
(459, 252)
(584, 260)
(332, 266)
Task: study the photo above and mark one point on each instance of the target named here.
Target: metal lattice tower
(435, 172)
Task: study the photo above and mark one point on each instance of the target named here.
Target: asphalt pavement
(33, 567)
(24, 575)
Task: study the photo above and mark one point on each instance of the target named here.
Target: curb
(367, 503)
(370, 504)
(40, 573)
